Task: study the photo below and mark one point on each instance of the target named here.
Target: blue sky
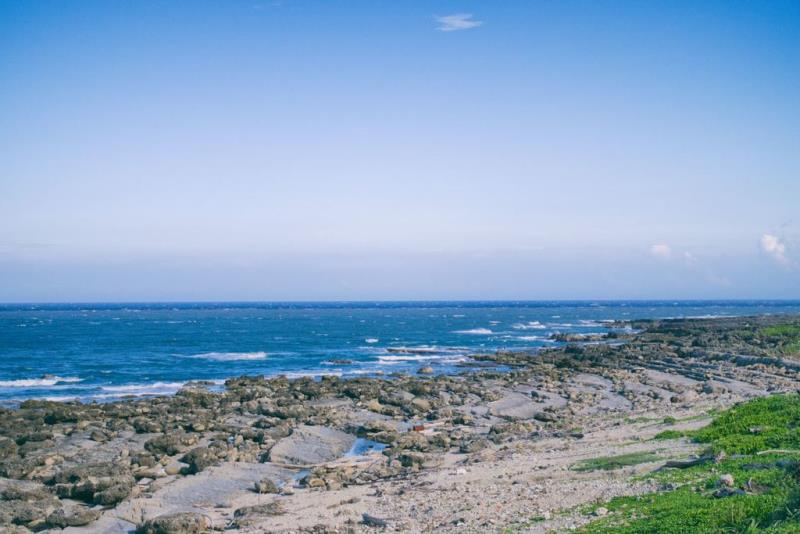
(301, 150)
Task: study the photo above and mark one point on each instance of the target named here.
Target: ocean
(101, 352)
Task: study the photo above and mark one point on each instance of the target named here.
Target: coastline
(105, 352)
(480, 451)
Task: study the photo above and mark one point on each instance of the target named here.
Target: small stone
(726, 480)
(177, 523)
(266, 486)
(601, 511)
(315, 483)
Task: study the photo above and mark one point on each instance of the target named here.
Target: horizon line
(398, 301)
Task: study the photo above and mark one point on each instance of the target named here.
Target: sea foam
(231, 356)
(530, 325)
(475, 331)
(38, 382)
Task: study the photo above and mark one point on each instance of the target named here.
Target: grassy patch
(766, 486)
(607, 463)
(786, 336)
(670, 434)
(766, 423)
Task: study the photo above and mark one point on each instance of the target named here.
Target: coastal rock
(78, 517)
(514, 406)
(199, 459)
(413, 441)
(311, 445)
(176, 523)
(266, 485)
(170, 444)
(252, 515)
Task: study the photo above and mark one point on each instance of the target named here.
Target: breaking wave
(475, 331)
(231, 356)
(38, 382)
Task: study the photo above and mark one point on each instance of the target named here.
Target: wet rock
(427, 370)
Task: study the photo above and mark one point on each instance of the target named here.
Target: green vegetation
(669, 420)
(786, 336)
(607, 463)
(764, 496)
(766, 423)
(670, 434)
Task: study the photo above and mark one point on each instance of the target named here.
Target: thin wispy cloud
(685, 261)
(661, 251)
(456, 22)
(775, 248)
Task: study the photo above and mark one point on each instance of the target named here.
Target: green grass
(771, 481)
(608, 463)
(670, 434)
(766, 423)
(786, 336)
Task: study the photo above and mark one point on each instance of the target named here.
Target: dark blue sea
(106, 351)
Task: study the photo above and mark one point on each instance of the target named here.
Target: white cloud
(457, 21)
(661, 251)
(773, 246)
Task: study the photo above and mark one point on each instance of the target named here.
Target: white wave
(529, 338)
(415, 350)
(38, 382)
(372, 340)
(589, 322)
(530, 325)
(458, 359)
(475, 331)
(139, 390)
(231, 356)
(409, 358)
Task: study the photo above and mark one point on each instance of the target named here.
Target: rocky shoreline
(490, 449)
